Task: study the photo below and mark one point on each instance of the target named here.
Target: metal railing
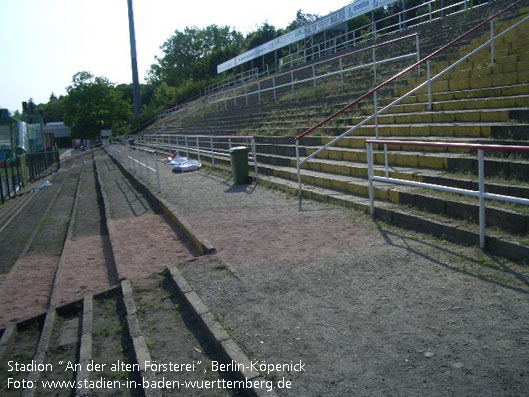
(11, 180)
(426, 13)
(339, 42)
(481, 193)
(426, 84)
(137, 160)
(240, 78)
(203, 147)
(256, 89)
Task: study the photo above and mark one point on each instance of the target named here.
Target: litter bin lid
(238, 149)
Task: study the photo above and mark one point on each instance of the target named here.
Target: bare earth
(370, 309)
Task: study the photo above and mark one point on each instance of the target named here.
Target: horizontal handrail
(315, 64)
(192, 143)
(323, 76)
(453, 145)
(377, 31)
(407, 69)
(481, 194)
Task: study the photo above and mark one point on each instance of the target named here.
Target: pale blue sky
(45, 42)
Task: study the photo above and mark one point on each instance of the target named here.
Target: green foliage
(93, 104)
(194, 54)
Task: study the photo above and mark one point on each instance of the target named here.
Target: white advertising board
(353, 10)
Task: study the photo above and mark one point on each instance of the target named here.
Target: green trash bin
(239, 164)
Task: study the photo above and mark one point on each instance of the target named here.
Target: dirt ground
(143, 241)
(370, 309)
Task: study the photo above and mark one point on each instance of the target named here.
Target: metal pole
(430, 10)
(259, 91)
(274, 86)
(134, 63)
(375, 96)
(212, 155)
(292, 80)
(198, 150)
(147, 170)
(341, 73)
(429, 77)
(492, 55)
(481, 178)
(314, 78)
(417, 48)
(157, 174)
(229, 143)
(299, 175)
(386, 160)
(187, 148)
(254, 159)
(2, 190)
(370, 177)
(7, 179)
(246, 94)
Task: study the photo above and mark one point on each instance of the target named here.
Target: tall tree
(93, 104)
(188, 54)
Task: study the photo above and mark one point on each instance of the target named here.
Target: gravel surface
(368, 308)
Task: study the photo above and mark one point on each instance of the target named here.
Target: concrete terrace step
(359, 169)
(499, 243)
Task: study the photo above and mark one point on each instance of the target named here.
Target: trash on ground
(47, 183)
(182, 164)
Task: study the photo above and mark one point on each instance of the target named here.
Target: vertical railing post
(430, 10)
(229, 143)
(187, 148)
(2, 190)
(274, 86)
(212, 154)
(148, 171)
(375, 96)
(418, 51)
(386, 162)
(429, 77)
(481, 181)
(492, 40)
(341, 73)
(299, 175)
(259, 91)
(157, 173)
(246, 95)
(198, 149)
(292, 80)
(314, 78)
(7, 179)
(370, 178)
(254, 153)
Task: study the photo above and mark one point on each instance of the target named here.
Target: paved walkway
(370, 309)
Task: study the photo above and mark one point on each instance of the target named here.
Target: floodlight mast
(134, 63)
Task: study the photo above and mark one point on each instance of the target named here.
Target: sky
(45, 42)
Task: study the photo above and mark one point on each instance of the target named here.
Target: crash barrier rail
(202, 146)
(137, 160)
(481, 193)
(11, 180)
(426, 84)
(255, 89)
(397, 22)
